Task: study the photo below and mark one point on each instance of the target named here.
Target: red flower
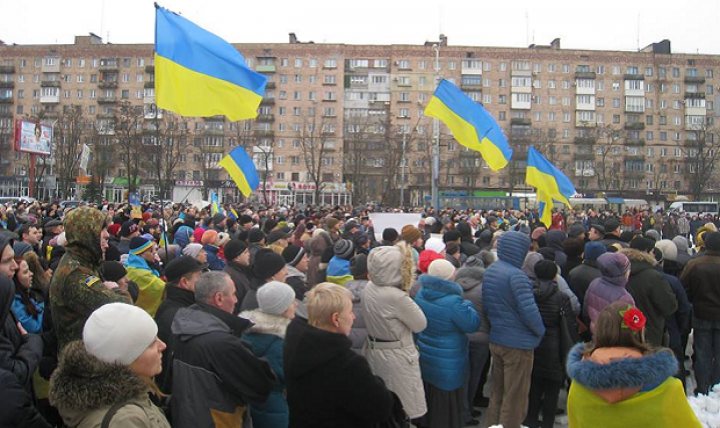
(634, 319)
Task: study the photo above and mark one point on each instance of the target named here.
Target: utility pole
(436, 139)
(402, 170)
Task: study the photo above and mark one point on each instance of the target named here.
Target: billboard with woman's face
(31, 137)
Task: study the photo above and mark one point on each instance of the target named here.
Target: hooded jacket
(329, 385)
(358, 334)
(470, 279)
(266, 337)
(76, 289)
(152, 288)
(700, 278)
(555, 239)
(18, 409)
(391, 318)
(683, 257)
(652, 294)
(444, 343)
(83, 389)
(602, 292)
(182, 236)
(214, 374)
(620, 387)
(508, 298)
(528, 267)
(213, 259)
(19, 354)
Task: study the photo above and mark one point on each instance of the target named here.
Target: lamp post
(436, 139)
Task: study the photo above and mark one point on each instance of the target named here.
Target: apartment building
(345, 122)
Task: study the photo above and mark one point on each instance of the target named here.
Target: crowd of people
(158, 316)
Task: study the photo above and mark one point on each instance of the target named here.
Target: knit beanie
(234, 248)
(113, 229)
(139, 245)
(275, 297)
(198, 234)
(331, 222)
(128, 228)
(255, 235)
(344, 248)
(113, 271)
(668, 248)
(442, 269)
(410, 234)
(267, 263)
(293, 254)
(712, 241)
(389, 234)
(435, 244)
(269, 225)
(118, 333)
(192, 250)
(358, 266)
(653, 234)
(643, 244)
(593, 250)
(613, 265)
(546, 270)
(209, 237)
(427, 257)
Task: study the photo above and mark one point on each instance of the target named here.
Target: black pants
(543, 396)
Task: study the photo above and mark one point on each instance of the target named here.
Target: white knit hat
(442, 269)
(275, 297)
(435, 244)
(119, 333)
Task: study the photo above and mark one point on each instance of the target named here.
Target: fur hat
(442, 269)
(223, 238)
(118, 333)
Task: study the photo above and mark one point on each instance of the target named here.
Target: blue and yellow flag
(241, 169)
(551, 184)
(163, 240)
(199, 74)
(470, 123)
(233, 214)
(214, 203)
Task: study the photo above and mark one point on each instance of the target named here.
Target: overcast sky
(691, 25)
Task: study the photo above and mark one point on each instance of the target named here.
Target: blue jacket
(444, 343)
(30, 324)
(515, 320)
(214, 262)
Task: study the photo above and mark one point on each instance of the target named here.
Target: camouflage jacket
(76, 289)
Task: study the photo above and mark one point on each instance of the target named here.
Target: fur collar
(470, 272)
(439, 285)
(266, 323)
(84, 383)
(646, 371)
(639, 256)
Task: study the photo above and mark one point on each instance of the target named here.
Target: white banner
(397, 221)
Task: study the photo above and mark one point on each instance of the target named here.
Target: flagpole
(436, 139)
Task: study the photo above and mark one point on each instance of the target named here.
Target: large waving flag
(470, 123)
(242, 170)
(199, 74)
(551, 184)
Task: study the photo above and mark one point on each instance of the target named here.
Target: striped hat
(139, 245)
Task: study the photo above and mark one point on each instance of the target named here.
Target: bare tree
(701, 150)
(102, 161)
(165, 149)
(606, 144)
(128, 128)
(315, 135)
(359, 139)
(69, 135)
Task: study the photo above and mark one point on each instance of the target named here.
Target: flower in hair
(633, 319)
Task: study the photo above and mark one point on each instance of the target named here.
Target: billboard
(31, 137)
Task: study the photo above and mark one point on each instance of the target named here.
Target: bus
(695, 208)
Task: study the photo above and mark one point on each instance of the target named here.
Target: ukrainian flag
(214, 203)
(470, 123)
(199, 74)
(242, 170)
(551, 184)
(233, 214)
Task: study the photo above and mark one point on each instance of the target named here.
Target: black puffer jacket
(17, 407)
(548, 361)
(579, 278)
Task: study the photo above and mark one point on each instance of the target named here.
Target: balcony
(470, 85)
(266, 118)
(267, 102)
(7, 84)
(637, 157)
(585, 75)
(7, 69)
(108, 85)
(50, 83)
(520, 121)
(149, 69)
(50, 99)
(267, 133)
(265, 68)
(629, 76)
(634, 174)
(5, 114)
(6, 100)
(637, 126)
(149, 85)
(213, 131)
(584, 156)
(694, 80)
(108, 65)
(107, 100)
(51, 68)
(270, 85)
(695, 95)
(585, 140)
(634, 142)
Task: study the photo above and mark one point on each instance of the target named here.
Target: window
(330, 63)
(140, 62)
(298, 78)
(403, 63)
(648, 71)
(675, 72)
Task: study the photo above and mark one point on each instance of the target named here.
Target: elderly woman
(391, 318)
(108, 373)
(329, 385)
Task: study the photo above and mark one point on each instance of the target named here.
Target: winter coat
(19, 354)
(391, 318)
(470, 280)
(83, 389)
(176, 299)
(18, 409)
(213, 259)
(467, 247)
(444, 343)
(317, 246)
(515, 321)
(620, 387)
(683, 225)
(297, 281)
(555, 239)
(30, 324)
(266, 337)
(548, 360)
(652, 294)
(579, 279)
(250, 301)
(338, 271)
(570, 264)
(182, 236)
(55, 256)
(240, 276)
(529, 268)
(76, 288)
(602, 292)
(683, 257)
(329, 385)
(214, 374)
(152, 288)
(358, 334)
(679, 322)
(700, 278)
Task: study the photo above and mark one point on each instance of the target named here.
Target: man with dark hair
(390, 237)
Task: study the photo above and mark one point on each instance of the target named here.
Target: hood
(681, 243)
(293, 272)
(385, 265)
(433, 288)
(82, 383)
(640, 261)
(512, 248)
(542, 289)
(316, 348)
(7, 295)
(528, 266)
(263, 323)
(183, 235)
(201, 319)
(470, 277)
(555, 238)
(82, 230)
(618, 373)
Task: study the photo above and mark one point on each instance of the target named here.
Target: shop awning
(615, 200)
